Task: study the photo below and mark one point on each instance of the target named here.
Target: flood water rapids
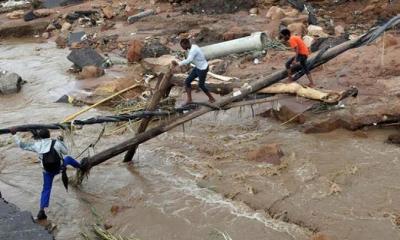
(160, 196)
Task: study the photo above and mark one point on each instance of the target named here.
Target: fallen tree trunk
(245, 90)
(160, 93)
(221, 88)
(331, 97)
(94, 120)
(236, 96)
(129, 117)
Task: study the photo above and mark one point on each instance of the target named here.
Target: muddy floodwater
(196, 182)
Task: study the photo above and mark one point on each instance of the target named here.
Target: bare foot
(311, 85)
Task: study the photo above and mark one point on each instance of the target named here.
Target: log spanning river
(196, 182)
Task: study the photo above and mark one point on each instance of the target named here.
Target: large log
(331, 97)
(222, 88)
(129, 117)
(159, 94)
(235, 96)
(315, 61)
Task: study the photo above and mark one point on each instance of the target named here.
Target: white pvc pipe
(256, 41)
(134, 18)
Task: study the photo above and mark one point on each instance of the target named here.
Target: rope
(92, 145)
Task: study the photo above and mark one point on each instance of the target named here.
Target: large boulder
(85, 57)
(154, 48)
(158, 65)
(10, 82)
(108, 11)
(134, 51)
(339, 30)
(275, 13)
(21, 28)
(289, 20)
(308, 40)
(150, 49)
(298, 28)
(316, 31)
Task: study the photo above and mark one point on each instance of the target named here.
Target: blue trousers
(201, 74)
(48, 181)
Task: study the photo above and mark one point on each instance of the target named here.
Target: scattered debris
(59, 3)
(11, 5)
(76, 37)
(221, 6)
(40, 13)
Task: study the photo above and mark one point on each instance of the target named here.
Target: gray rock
(9, 82)
(16, 224)
(85, 57)
(153, 49)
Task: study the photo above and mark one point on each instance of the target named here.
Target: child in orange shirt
(302, 53)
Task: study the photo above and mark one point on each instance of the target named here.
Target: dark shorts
(201, 74)
(302, 59)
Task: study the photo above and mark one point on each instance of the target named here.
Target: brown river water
(339, 183)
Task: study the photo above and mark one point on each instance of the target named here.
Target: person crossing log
(235, 96)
